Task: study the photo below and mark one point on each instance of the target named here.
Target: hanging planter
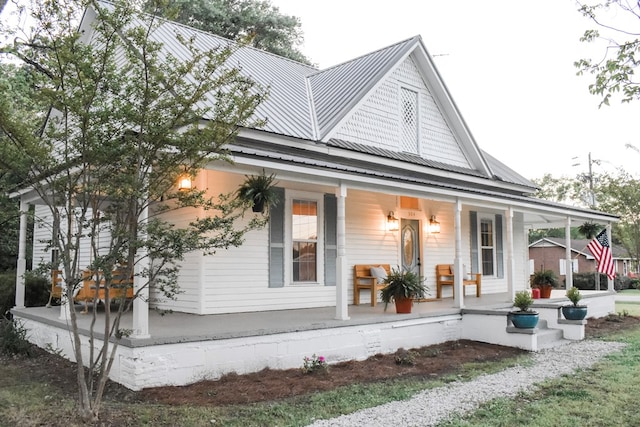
(258, 191)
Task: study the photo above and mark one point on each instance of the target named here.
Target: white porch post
(568, 264)
(21, 267)
(342, 311)
(141, 302)
(511, 267)
(610, 286)
(458, 274)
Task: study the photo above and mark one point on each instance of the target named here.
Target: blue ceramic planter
(571, 312)
(524, 320)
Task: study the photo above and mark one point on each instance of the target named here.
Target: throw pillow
(379, 273)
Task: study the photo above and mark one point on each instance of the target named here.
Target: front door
(410, 242)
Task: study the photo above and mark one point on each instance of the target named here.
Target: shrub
(586, 282)
(314, 364)
(36, 291)
(13, 338)
(405, 357)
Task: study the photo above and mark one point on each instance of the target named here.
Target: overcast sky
(508, 65)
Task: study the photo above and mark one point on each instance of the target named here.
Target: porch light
(392, 222)
(184, 183)
(434, 226)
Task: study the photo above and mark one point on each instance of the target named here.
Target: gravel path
(432, 406)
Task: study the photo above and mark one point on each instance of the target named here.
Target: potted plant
(524, 318)
(545, 280)
(402, 286)
(257, 190)
(574, 311)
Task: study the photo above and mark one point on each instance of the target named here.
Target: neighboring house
(549, 253)
(353, 145)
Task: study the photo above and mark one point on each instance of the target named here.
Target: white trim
(288, 237)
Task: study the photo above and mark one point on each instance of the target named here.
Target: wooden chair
(444, 277)
(56, 286)
(362, 279)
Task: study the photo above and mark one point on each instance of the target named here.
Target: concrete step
(548, 338)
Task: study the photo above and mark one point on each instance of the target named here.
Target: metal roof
(306, 103)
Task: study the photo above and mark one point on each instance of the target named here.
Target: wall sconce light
(392, 222)
(184, 183)
(434, 226)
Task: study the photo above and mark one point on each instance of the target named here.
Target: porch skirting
(184, 363)
(185, 348)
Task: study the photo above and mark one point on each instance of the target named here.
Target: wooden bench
(444, 277)
(362, 279)
(121, 286)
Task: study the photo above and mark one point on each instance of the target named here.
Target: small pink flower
(321, 359)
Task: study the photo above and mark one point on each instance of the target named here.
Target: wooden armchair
(363, 279)
(444, 277)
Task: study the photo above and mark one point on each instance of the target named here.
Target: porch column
(458, 274)
(568, 264)
(140, 287)
(511, 267)
(21, 267)
(342, 311)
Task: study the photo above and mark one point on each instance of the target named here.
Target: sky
(508, 65)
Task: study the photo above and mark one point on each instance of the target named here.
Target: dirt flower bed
(428, 362)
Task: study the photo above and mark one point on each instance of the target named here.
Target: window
(302, 239)
(304, 232)
(409, 112)
(487, 246)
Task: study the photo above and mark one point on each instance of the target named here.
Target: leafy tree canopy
(617, 23)
(126, 119)
(254, 20)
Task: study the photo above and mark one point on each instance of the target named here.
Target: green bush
(586, 282)
(13, 338)
(36, 291)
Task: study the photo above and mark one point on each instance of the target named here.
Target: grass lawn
(604, 396)
(630, 292)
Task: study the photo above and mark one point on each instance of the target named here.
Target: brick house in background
(549, 253)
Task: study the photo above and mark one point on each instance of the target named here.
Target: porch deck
(183, 327)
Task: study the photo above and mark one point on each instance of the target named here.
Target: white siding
(377, 121)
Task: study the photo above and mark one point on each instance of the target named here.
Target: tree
(614, 72)
(258, 21)
(620, 194)
(127, 119)
(18, 86)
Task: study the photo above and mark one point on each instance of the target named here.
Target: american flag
(601, 250)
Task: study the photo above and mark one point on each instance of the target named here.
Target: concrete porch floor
(182, 327)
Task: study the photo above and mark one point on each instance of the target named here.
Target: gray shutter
(276, 241)
(330, 239)
(499, 247)
(473, 223)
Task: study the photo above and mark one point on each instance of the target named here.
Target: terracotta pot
(545, 291)
(403, 305)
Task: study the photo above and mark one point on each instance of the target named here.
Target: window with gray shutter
(276, 241)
